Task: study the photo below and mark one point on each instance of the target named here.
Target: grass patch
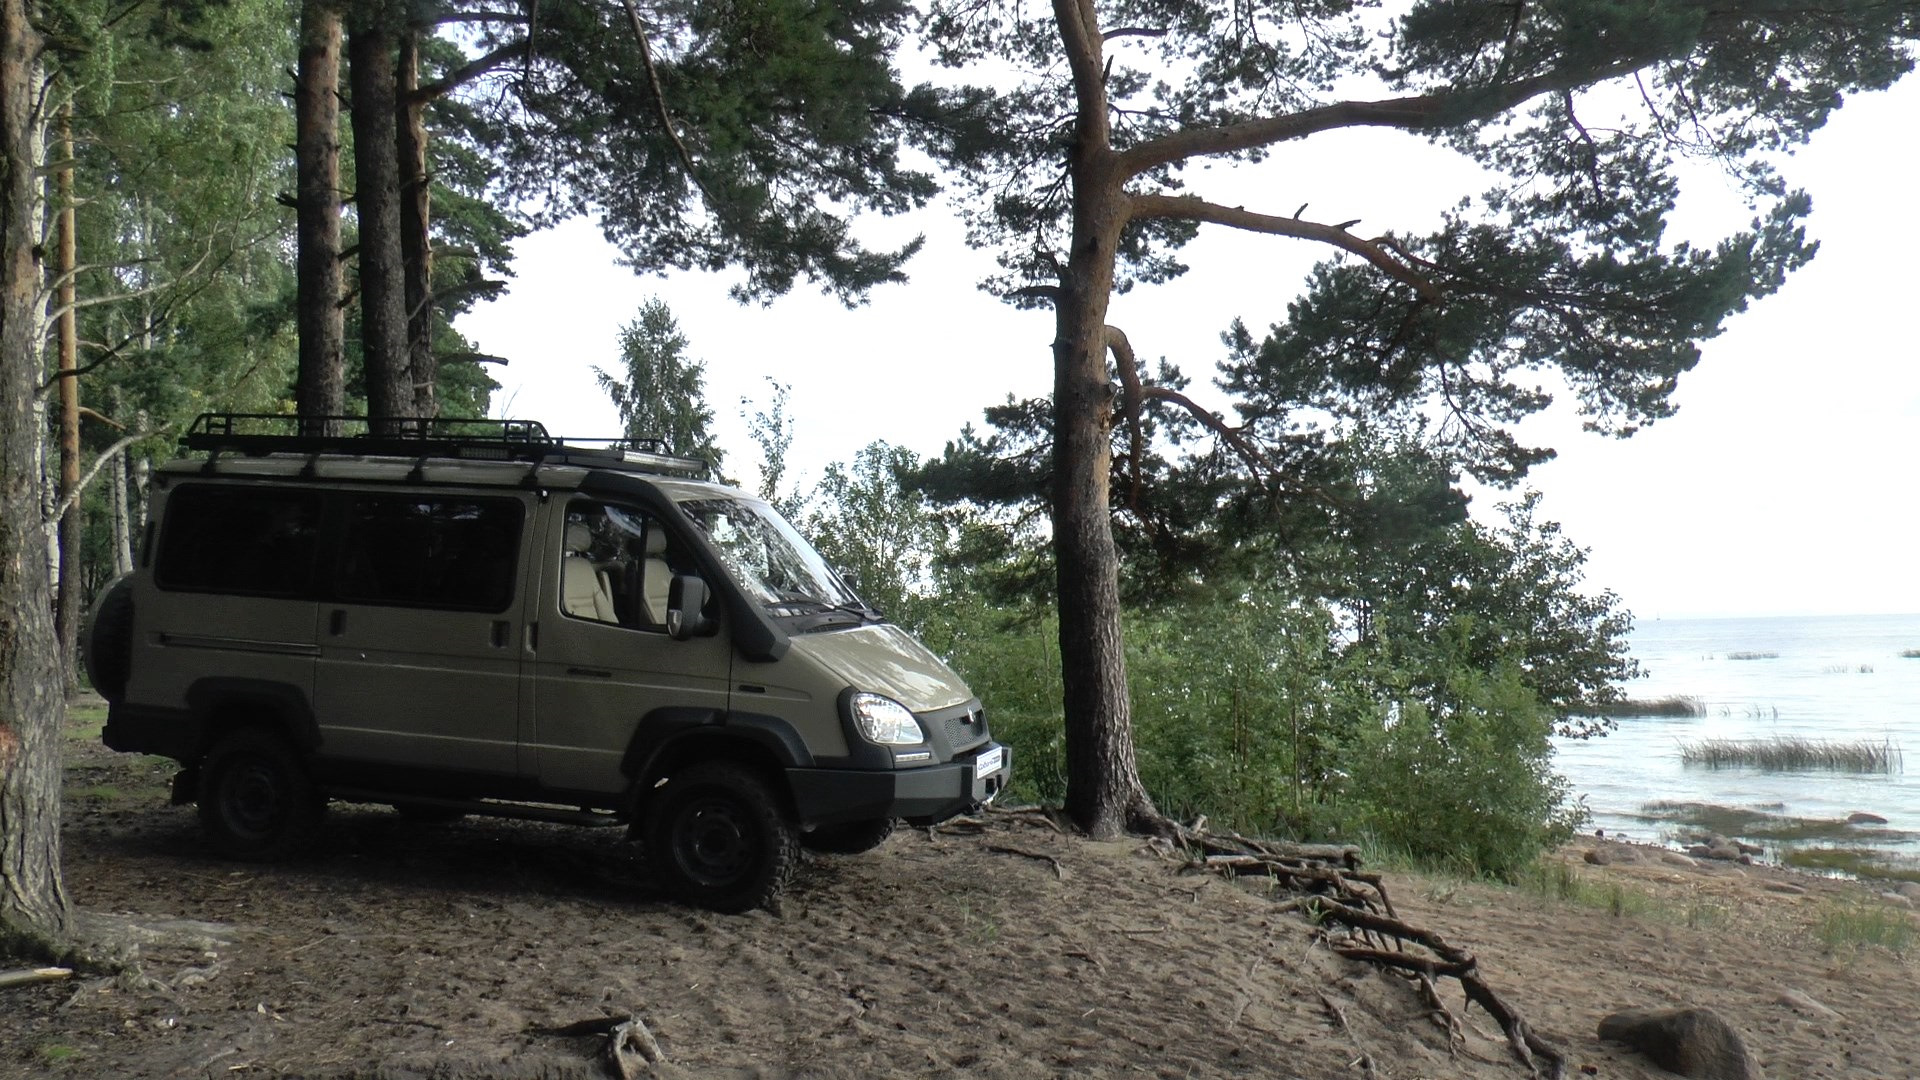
(98, 793)
(84, 722)
(1753, 656)
(1856, 862)
(1844, 928)
(57, 1053)
(1757, 823)
(1791, 753)
(1676, 706)
(1559, 880)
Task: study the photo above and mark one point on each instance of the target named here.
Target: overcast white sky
(1786, 484)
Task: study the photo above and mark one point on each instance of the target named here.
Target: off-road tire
(717, 838)
(850, 838)
(256, 801)
(106, 648)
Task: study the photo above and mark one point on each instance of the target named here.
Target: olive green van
(474, 617)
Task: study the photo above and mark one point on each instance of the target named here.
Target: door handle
(337, 622)
(594, 672)
(502, 633)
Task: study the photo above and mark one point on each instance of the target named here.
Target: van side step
(558, 815)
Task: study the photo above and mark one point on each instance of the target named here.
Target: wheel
(427, 814)
(256, 801)
(717, 836)
(850, 838)
(106, 648)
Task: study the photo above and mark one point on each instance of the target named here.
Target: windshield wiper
(829, 615)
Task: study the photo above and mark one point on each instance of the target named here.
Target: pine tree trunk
(321, 385)
(383, 303)
(33, 903)
(1104, 793)
(416, 215)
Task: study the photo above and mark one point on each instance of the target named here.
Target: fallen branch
(1059, 872)
(1357, 921)
(29, 976)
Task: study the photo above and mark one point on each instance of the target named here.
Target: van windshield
(772, 562)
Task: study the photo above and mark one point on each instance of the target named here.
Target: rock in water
(1861, 817)
(1691, 1042)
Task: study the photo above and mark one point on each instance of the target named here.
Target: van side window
(239, 540)
(616, 565)
(453, 552)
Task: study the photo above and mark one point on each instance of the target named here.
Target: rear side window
(241, 540)
(456, 552)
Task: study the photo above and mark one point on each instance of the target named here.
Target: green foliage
(1011, 659)
(1250, 710)
(1582, 114)
(771, 429)
(1471, 785)
(663, 399)
(747, 134)
(877, 531)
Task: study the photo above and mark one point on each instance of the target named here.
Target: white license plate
(989, 761)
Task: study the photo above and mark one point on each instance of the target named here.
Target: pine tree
(663, 399)
(1580, 109)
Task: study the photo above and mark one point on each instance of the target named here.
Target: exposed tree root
(1356, 919)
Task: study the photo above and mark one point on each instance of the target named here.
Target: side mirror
(686, 599)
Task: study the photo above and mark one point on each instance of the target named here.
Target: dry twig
(1059, 872)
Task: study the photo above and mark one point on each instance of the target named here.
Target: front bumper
(921, 796)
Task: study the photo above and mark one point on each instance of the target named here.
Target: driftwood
(631, 1048)
(28, 976)
(1356, 920)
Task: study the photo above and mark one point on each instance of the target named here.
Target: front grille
(966, 729)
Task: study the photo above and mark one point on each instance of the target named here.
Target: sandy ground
(476, 949)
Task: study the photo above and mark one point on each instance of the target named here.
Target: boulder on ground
(1861, 817)
(1695, 1043)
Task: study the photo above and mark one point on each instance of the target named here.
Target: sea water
(1837, 678)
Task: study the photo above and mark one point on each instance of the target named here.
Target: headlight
(886, 721)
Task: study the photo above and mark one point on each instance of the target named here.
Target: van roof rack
(258, 434)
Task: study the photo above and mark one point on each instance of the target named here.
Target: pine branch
(1192, 208)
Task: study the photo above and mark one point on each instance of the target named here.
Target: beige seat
(583, 588)
(656, 577)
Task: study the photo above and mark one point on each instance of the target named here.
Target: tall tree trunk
(321, 386)
(416, 215)
(33, 903)
(1104, 792)
(371, 42)
(66, 617)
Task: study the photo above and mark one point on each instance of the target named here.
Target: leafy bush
(1471, 787)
